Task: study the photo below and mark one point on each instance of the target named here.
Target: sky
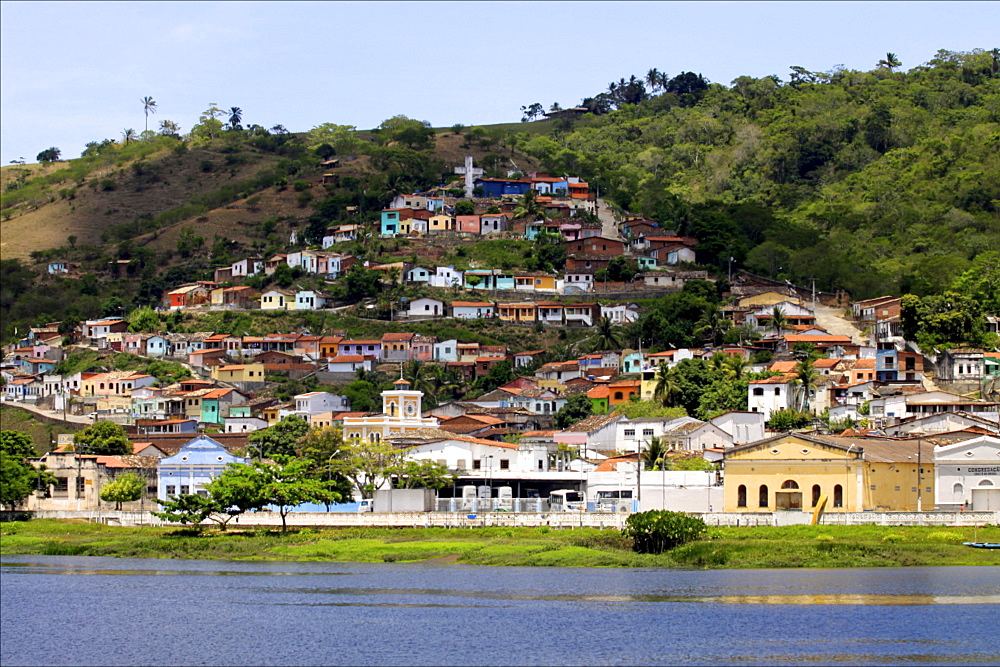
(73, 72)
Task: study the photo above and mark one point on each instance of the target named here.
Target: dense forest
(877, 182)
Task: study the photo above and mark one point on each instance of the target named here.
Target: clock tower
(402, 403)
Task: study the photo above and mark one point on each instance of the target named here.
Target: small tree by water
(656, 531)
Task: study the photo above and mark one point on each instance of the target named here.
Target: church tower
(402, 403)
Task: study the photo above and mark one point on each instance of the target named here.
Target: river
(57, 610)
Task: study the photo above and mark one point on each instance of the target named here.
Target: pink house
(468, 223)
(423, 347)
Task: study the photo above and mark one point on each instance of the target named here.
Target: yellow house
(765, 299)
(517, 312)
(239, 373)
(441, 223)
(793, 471)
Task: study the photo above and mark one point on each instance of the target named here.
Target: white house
(620, 313)
(446, 276)
(426, 307)
(769, 395)
(247, 267)
(418, 274)
(308, 300)
(316, 402)
(471, 310)
(742, 426)
(446, 350)
(967, 474)
(244, 424)
(350, 363)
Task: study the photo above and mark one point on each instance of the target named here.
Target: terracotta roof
(778, 379)
(592, 423)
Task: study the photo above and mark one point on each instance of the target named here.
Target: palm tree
(735, 364)
(606, 337)
(415, 372)
(806, 376)
(667, 391)
(655, 456)
(890, 62)
(128, 136)
(235, 117)
(148, 106)
(712, 324)
(778, 320)
(528, 207)
(653, 79)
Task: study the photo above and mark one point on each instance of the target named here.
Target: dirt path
(607, 218)
(832, 320)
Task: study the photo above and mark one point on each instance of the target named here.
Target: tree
(778, 320)
(805, 382)
(528, 208)
(645, 409)
(890, 62)
(17, 444)
(666, 390)
(982, 281)
(280, 439)
(465, 207)
(712, 326)
(17, 480)
(422, 474)
(189, 508)
(128, 136)
(143, 319)
(654, 457)
(148, 107)
(49, 155)
(368, 465)
(606, 337)
(577, 407)
(499, 374)
(208, 125)
(531, 112)
(169, 128)
(235, 118)
(786, 420)
(943, 321)
(287, 483)
(124, 489)
(103, 438)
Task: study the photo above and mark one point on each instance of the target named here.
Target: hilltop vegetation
(878, 182)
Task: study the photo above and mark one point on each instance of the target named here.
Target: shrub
(656, 531)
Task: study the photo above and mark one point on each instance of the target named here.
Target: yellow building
(441, 223)
(239, 373)
(525, 311)
(793, 471)
(765, 299)
(401, 413)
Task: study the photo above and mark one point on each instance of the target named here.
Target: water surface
(106, 611)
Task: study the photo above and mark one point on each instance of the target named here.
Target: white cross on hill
(471, 174)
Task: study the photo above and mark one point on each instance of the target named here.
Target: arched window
(838, 496)
(986, 482)
(957, 493)
(816, 494)
(790, 484)
(741, 496)
(762, 499)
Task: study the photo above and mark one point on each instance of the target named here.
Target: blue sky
(74, 72)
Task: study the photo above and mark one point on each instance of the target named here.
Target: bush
(656, 531)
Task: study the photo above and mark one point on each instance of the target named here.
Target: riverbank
(757, 547)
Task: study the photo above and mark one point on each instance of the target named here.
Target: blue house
(498, 187)
(390, 222)
(197, 463)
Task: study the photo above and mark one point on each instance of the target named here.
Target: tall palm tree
(805, 381)
(606, 337)
(148, 106)
(415, 372)
(778, 320)
(667, 391)
(891, 62)
(128, 136)
(235, 118)
(712, 324)
(735, 365)
(653, 79)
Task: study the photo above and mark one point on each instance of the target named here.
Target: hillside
(878, 182)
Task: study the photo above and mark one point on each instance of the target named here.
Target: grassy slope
(799, 546)
(42, 435)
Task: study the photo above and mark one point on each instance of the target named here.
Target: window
(185, 489)
(762, 496)
(741, 496)
(757, 391)
(647, 432)
(504, 464)
(477, 464)
(171, 490)
(816, 494)
(777, 391)
(838, 496)
(630, 433)
(790, 484)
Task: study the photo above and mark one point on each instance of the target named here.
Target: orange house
(620, 392)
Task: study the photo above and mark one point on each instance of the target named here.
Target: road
(51, 414)
(607, 218)
(832, 320)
